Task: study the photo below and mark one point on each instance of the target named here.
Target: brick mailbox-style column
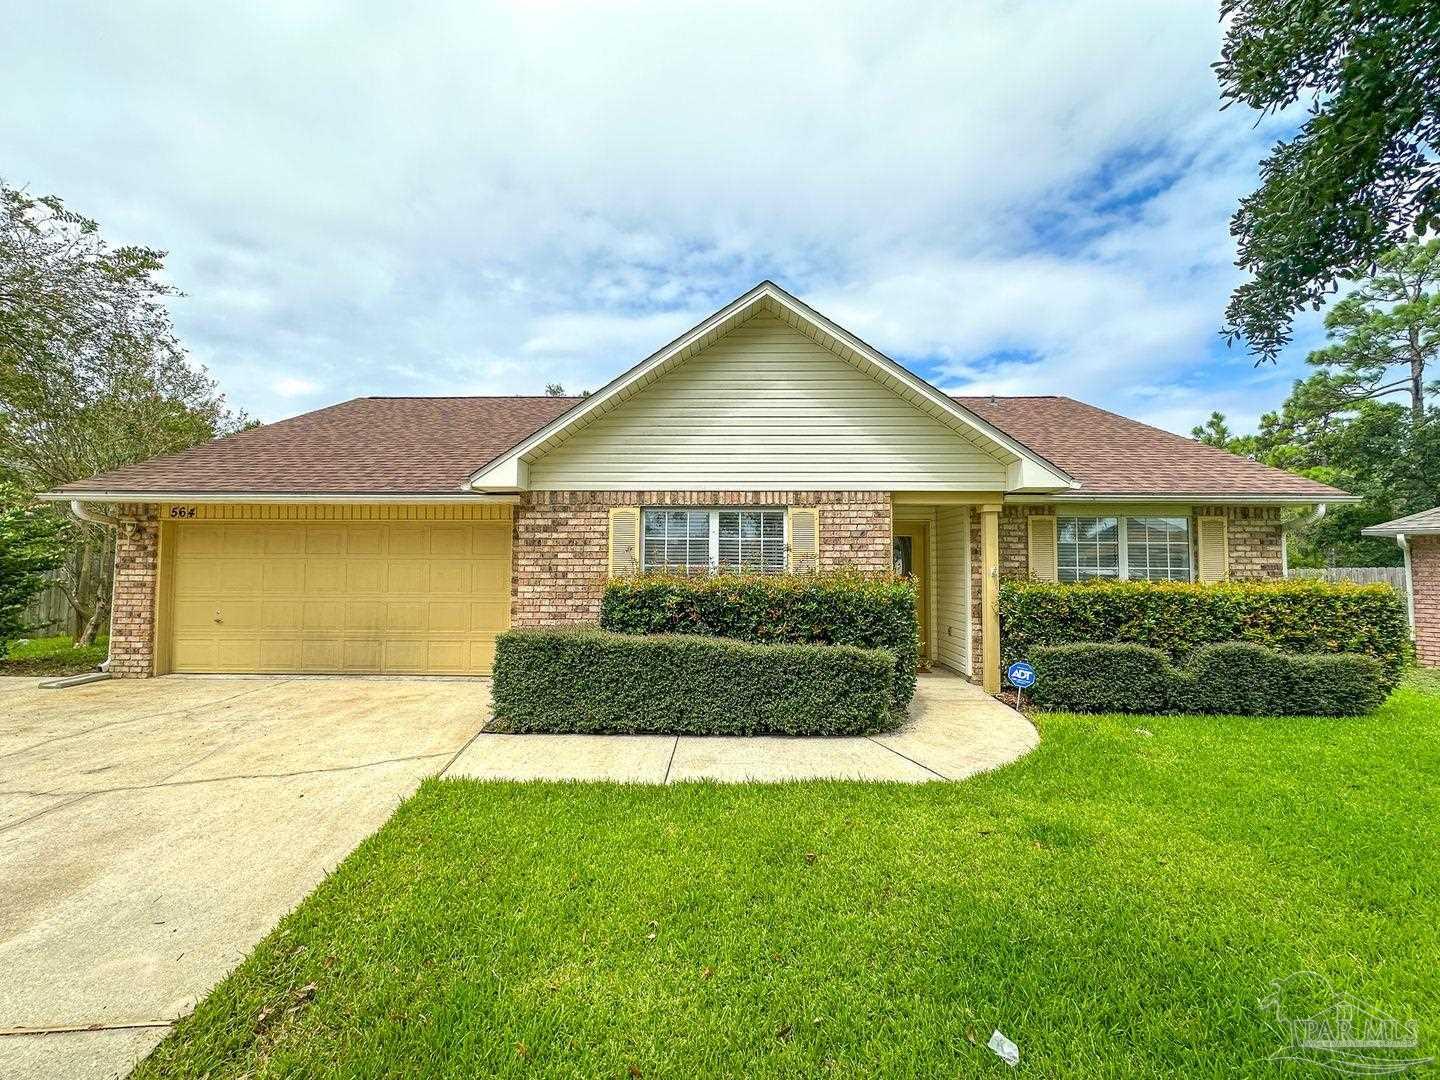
(1425, 597)
(132, 609)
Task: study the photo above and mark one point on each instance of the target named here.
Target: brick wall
(1255, 540)
(561, 541)
(1425, 581)
(132, 613)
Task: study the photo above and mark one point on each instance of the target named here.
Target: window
(706, 541)
(1157, 548)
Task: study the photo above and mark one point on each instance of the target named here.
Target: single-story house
(390, 535)
(1419, 537)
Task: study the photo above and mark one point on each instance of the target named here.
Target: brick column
(132, 609)
(1425, 586)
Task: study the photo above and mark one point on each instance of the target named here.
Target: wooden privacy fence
(1394, 576)
(48, 614)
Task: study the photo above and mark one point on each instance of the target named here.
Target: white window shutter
(1042, 547)
(804, 539)
(1213, 559)
(624, 540)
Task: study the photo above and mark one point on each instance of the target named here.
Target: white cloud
(489, 197)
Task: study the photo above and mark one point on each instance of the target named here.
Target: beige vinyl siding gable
(767, 407)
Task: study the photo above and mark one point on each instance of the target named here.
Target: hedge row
(597, 682)
(870, 611)
(1233, 679)
(1178, 618)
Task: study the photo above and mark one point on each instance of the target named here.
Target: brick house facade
(1425, 586)
(561, 541)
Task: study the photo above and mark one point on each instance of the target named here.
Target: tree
(1362, 172)
(1214, 432)
(92, 377)
(554, 389)
(1386, 337)
(32, 546)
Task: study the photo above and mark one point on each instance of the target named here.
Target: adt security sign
(1021, 675)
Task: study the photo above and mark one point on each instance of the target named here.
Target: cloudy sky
(406, 199)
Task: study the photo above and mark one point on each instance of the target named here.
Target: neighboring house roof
(1113, 455)
(1424, 523)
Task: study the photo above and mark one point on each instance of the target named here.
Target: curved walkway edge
(954, 730)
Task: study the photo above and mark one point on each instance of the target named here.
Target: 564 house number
(182, 511)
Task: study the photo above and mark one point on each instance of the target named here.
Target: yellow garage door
(345, 597)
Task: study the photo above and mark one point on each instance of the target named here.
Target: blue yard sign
(1021, 675)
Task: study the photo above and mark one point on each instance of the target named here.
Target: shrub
(677, 684)
(1101, 678)
(1177, 618)
(865, 610)
(1233, 678)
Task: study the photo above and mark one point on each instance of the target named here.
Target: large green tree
(32, 547)
(92, 376)
(1363, 170)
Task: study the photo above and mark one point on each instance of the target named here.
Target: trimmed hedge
(597, 682)
(1177, 618)
(1233, 679)
(870, 611)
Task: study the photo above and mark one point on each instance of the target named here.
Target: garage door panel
(324, 540)
(364, 615)
(365, 654)
(365, 540)
(322, 654)
(449, 540)
(324, 615)
(407, 540)
(242, 576)
(243, 541)
(403, 655)
(365, 576)
(450, 576)
(485, 617)
(283, 575)
(238, 654)
(407, 615)
(283, 615)
(284, 540)
(339, 597)
(324, 576)
(407, 576)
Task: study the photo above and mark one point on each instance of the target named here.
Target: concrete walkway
(954, 730)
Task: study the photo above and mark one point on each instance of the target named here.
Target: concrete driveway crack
(129, 720)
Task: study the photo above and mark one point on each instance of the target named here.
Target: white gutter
(459, 498)
(109, 521)
(1229, 500)
(1404, 543)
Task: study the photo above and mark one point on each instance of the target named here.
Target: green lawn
(1116, 903)
(51, 656)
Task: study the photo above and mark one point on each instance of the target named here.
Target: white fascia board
(1038, 473)
(458, 499)
(1232, 500)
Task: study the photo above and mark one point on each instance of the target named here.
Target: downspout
(79, 511)
(1409, 583)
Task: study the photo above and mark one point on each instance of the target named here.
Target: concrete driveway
(151, 833)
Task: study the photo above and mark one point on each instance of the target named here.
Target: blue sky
(485, 198)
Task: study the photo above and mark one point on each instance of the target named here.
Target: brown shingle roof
(1113, 455)
(1423, 523)
(430, 446)
(379, 446)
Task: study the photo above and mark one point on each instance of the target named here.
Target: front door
(912, 560)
